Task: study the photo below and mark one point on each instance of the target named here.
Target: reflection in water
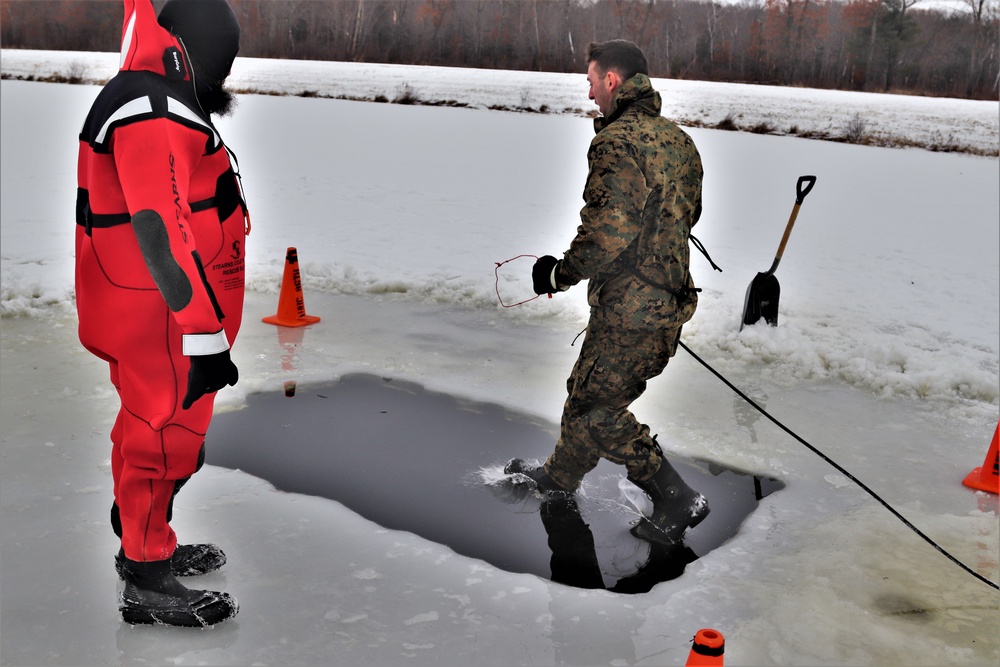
(618, 561)
(574, 554)
(746, 415)
(290, 339)
(151, 644)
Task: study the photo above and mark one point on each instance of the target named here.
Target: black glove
(542, 278)
(209, 372)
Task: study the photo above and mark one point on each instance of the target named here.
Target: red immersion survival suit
(161, 225)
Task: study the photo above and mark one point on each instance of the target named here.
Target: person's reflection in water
(574, 554)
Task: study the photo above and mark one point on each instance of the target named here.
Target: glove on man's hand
(543, 276)
(209, 372)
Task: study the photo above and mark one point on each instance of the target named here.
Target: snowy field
(886, 358)
(885, 119)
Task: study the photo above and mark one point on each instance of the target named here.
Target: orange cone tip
(707, 649)
(291, 303)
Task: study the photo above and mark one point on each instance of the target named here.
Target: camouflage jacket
(642, 197)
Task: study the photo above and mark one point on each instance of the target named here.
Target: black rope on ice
(842, 470)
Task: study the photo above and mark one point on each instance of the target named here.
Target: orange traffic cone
(707, 650)
(291, 304)
(987, 477)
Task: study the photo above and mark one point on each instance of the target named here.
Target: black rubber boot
(676, 506)
(153, 595)
(189, 560)
(543, 482)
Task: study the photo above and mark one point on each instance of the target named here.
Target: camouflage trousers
(610, 373)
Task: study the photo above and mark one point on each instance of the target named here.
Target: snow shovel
(763, 292)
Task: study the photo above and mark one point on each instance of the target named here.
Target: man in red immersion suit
(161, 225)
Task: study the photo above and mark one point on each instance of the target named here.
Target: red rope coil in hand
(496, 272)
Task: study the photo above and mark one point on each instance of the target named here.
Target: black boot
(676, 506)
(189, 560)
(543, 482)
(153, 595)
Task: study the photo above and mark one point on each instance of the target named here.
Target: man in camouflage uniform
(642, 196)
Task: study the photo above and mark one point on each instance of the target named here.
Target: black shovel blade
(762, 300)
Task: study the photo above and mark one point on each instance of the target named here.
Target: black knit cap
(210, 32)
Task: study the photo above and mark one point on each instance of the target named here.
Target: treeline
(866, 45)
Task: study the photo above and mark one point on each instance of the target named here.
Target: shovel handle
(802, 188)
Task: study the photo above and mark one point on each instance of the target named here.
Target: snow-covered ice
(886, 359)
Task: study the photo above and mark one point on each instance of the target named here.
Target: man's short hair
(618, 55)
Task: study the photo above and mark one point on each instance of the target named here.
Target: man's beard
(217, 101)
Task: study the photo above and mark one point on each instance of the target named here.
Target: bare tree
(859, 44)
(983, 44)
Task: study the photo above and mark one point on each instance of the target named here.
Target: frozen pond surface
(885, 359)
